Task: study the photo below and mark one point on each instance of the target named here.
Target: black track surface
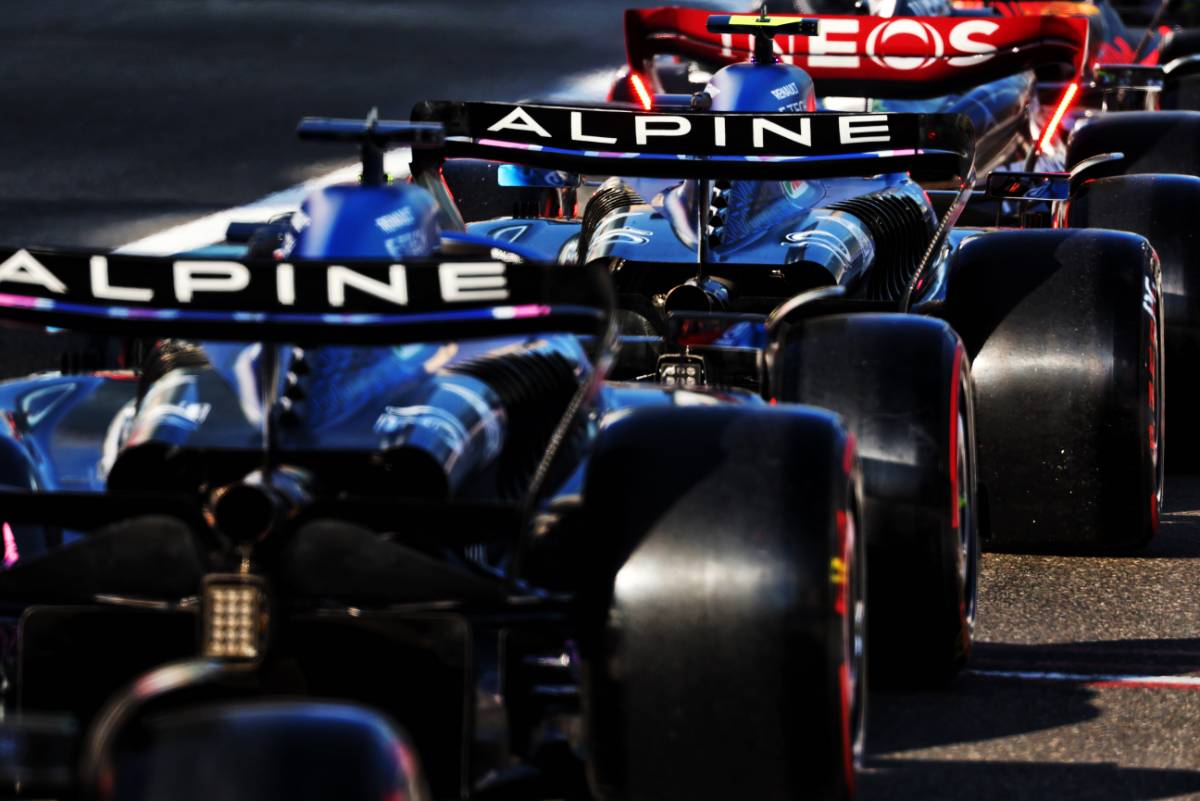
(118, 119)
(122, 117)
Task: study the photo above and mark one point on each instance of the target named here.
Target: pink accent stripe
(520, 312)
(11, 555)
(513, 145)
(25, 302)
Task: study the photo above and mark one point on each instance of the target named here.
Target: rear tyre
(723, 616)
(1162, 209)
(1181, 89)
(1063, 328)
(902, 383)
(1151, 141)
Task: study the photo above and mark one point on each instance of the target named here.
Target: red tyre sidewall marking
(953, 462)
(843, 606)
(1155, 415)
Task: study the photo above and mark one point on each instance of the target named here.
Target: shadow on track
(972, 710)
(1145, 657)
(977, 708)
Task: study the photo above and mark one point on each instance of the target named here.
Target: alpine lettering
(472, 281)
(101, 288)
(187, 282)
(864, 129)
(339, 278)
(22, 268)
(208, 276)
(519, 120)
(579, 136)
(762, 126)
(718, 134)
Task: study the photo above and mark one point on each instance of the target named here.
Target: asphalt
(122, 117)
(1001, 738)
(119, 119)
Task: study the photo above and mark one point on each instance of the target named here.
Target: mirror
(521, 175)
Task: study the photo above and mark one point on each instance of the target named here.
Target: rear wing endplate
(884, 57)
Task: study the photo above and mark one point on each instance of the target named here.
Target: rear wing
(884, 57)
(1031, 8)
(1122, 48)
(733, 146)
(345, 302)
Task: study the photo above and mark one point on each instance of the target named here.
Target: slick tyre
(1179, 45)
(1064, 331)
(1151, 141)
(1181, 87)
(1162, 209)
(723, 613)
(902, 385)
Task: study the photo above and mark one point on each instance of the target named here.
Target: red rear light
(1051, 127)
(638, 83)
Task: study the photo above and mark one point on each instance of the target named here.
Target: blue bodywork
(343, 413)
(366, 403)
(762, 87)
(348, 221)
(835, 231)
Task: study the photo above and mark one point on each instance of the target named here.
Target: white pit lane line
(1096, 679)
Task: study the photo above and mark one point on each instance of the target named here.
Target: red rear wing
(864, 56)
(1118, 50)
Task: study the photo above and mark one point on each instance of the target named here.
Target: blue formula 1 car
(1050, 91)
(384, 475)
(834, 275)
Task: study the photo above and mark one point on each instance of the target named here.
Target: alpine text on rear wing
(749, 146)
(352, 302)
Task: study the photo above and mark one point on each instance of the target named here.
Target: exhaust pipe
(250, 509)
